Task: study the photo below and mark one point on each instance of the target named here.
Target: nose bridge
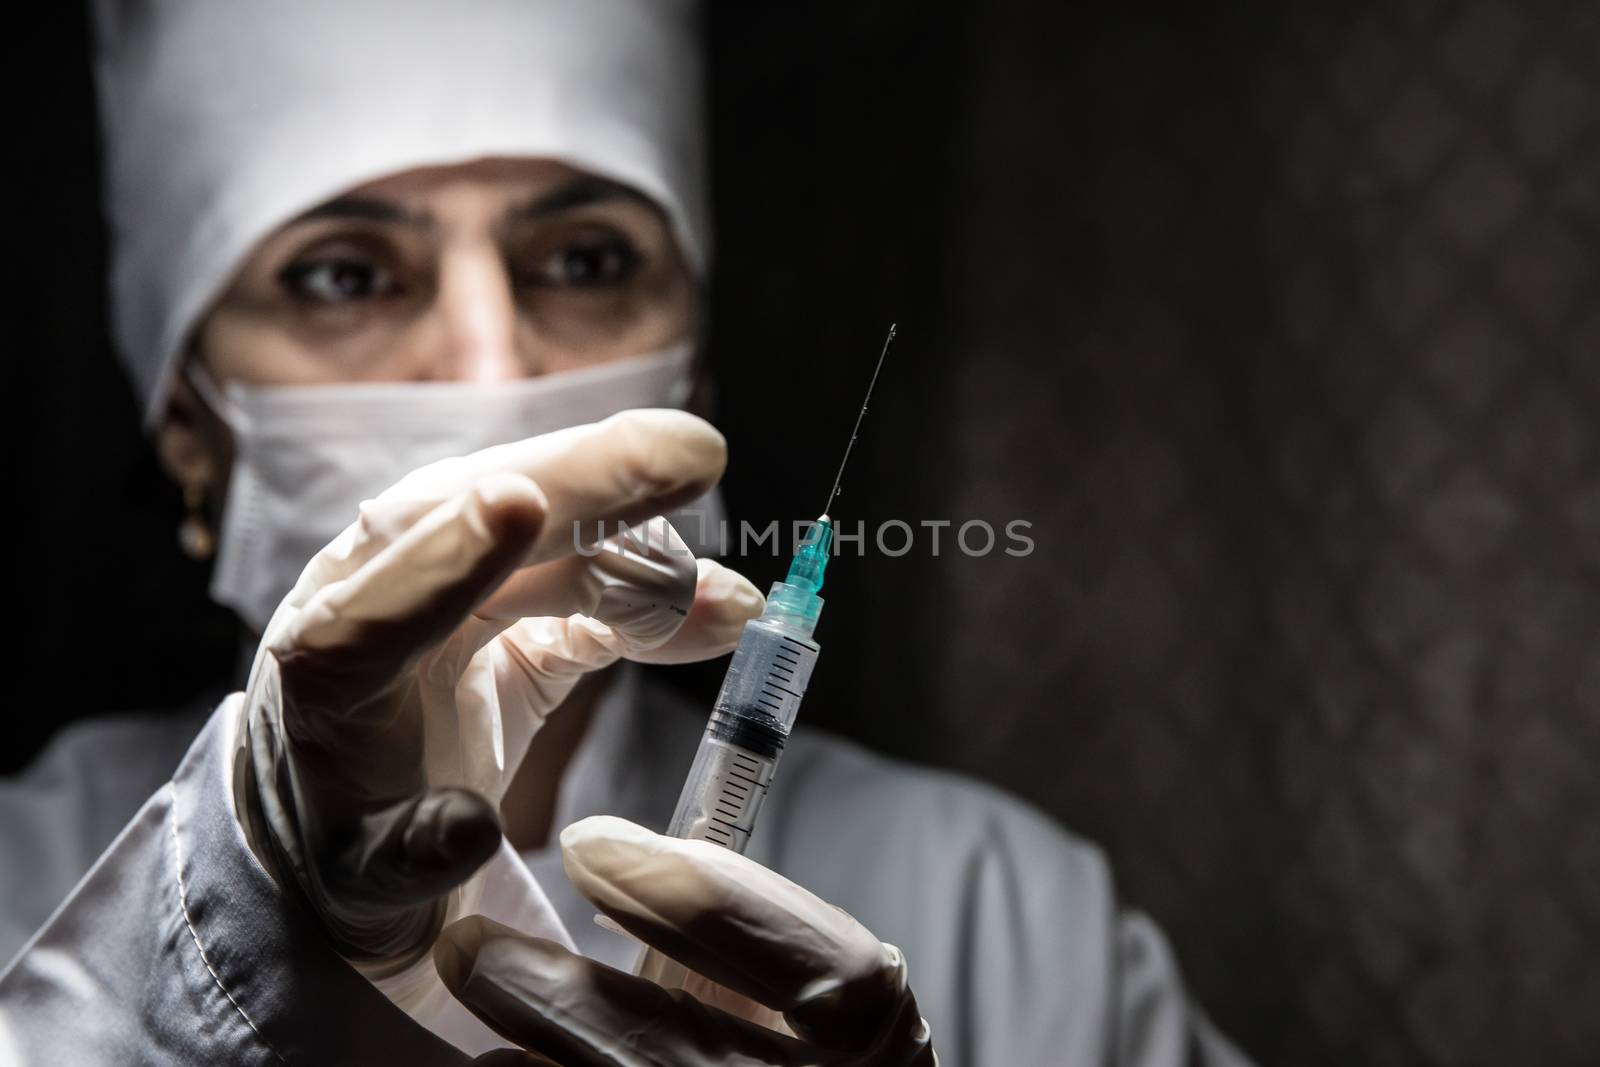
(478, 307)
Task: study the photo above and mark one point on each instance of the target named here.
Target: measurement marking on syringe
(740, 760)
(781, 689)
(743, 792)
(742, 778)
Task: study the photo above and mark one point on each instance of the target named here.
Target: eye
(338, 281)
(589, 264)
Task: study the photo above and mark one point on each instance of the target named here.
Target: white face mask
(307, 456)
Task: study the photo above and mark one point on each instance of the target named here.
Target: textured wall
(1318, 619)
(1282, 327)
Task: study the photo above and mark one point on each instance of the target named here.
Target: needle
(857, 429)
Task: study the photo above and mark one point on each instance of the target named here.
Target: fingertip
(735, 595)
(677, 441)
(513, 506)
(601, 847)
(452, 831)
(679, 425)
(596, 829)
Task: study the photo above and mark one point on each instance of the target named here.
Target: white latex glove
(765, 945)
(397, 686)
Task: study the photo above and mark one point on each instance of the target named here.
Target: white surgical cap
(223, 120)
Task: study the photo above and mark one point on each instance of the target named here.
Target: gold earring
(194, 533)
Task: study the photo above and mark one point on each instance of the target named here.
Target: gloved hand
(765, 944)
(398, 685)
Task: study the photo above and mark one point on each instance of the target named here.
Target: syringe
(751, 720)
(756, 707)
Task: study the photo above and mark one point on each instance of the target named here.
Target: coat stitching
(183, 907)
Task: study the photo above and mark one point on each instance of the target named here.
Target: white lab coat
(178, 948)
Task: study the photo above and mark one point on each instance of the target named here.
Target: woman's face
(492, 270)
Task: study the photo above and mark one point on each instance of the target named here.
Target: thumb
(398, 858)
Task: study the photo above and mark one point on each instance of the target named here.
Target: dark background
(1281, 324)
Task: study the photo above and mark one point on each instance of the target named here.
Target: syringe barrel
(727, 782)
(769, 673)
(749, 725)
(738, 753)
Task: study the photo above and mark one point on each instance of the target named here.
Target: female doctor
(410, 292)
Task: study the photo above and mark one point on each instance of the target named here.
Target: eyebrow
(580, 192)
